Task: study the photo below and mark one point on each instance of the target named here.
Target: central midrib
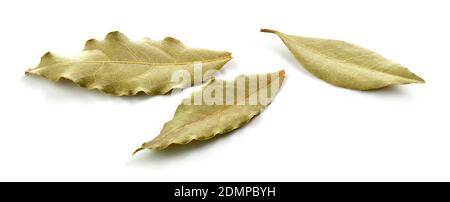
(153, 64)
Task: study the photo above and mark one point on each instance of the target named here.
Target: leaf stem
(268, 30)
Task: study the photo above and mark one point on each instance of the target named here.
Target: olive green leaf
(120, 67)
(233, 104)
(344, 64)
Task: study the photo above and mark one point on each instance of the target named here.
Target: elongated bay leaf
(344, 64)
(119, 66)
(220, 107)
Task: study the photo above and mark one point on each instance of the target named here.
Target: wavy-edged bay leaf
(233, 104)
(344, 64)
(119, 66)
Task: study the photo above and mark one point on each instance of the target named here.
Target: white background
(311, 132)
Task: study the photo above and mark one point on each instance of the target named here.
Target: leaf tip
(420, 80)
(228, 56)
(137, 150)
(414, 78)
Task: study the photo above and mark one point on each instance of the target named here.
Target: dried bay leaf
(123, 67)
(344, 64)
(204, 120)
